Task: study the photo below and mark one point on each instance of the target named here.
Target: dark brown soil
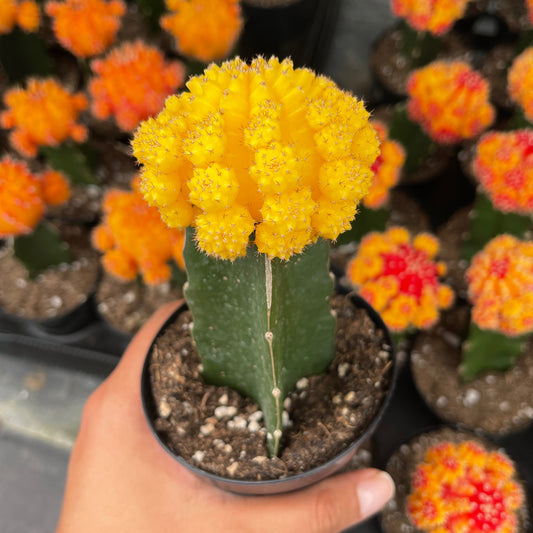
(127, 305)
(494, 402)
(57, 290)
(392, 68)
(218, 430)
(401, 465)
(494, 69)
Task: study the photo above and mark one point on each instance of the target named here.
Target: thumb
(330, 506)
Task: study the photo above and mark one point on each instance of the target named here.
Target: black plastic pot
(277, 486)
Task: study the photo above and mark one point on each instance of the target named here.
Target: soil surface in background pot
(127, 306)
(401, 465)
(57, 290)
(495, 402)
(222, 432)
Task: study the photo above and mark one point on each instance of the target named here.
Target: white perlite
(223, 411)
(198, 456)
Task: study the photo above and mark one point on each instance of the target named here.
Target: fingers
(327, 507)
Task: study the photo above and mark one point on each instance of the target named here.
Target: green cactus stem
(251, 329)
(486, 222)
(77, 161)
(418, 146)
(23, 55)
(41, 249)
(489, 350)
(418, 47)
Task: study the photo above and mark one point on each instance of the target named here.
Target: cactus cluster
(135, 240)
(132, 82)
(260, 149)
(397, 274)
(386, 168)
(86, 27)
(450, 100)
(503, 164)
(500, 286)
(213, 39)
(22, 13)
(24, 196)
(434, 16)
(464, 487)
(43, 114)
(520, 82)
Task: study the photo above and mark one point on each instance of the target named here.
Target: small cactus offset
(262, 163)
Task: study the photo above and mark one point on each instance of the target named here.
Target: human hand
(121, 480)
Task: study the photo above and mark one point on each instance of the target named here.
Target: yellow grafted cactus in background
(86, 27)
(205, 30)
(262, 149)
(44, 114)
(500, 286)
(520, 82)
(387, 168)
(450, 101)
(135, 240)
(398, 276)
(23, 13)
(434, 16)
(464, 487)
(132, 83)
(24, 196)
(503, 163)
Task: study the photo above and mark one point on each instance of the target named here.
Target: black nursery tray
(95, 348)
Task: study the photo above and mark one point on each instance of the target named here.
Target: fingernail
(374, 492)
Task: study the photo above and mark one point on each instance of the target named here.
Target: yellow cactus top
(397, 275)
(86, 27)
(44, 114)
(205, 30)
(450, 101)
(500, 286)
(23, 13)
(24, 196)
(387, 167)
(435, 16)
(132, 83)
(260, 149)
(135, 240)
(464, 487)
(503, 163)
(520, 82)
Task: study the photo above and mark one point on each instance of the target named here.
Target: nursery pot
(292, 482)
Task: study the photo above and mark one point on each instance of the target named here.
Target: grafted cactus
(261, 163)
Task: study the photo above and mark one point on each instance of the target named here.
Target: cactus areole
(262, 163)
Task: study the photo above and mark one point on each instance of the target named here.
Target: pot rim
(295, 482)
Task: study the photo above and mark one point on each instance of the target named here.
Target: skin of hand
(121, 480)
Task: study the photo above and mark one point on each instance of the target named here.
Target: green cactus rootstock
(489, 351)
(260, 325)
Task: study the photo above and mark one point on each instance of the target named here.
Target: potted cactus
(484, 343)
(452, 480)
(262, 163)
(142, 260)
(48, 274)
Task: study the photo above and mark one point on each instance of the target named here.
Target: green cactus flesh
(261, 325)
(489, 351)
